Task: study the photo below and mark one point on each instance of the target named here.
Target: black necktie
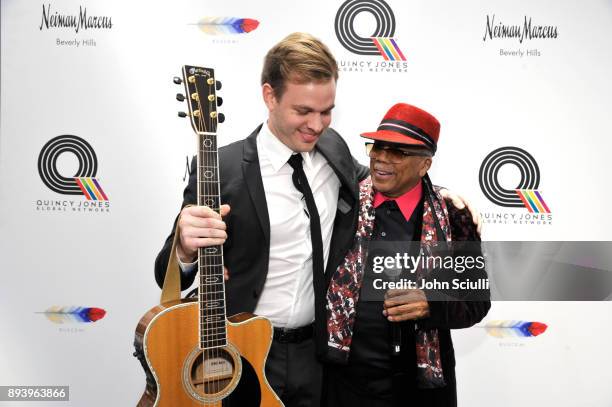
(318, 278)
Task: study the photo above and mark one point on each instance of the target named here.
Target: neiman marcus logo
(54, 19)
(497, 30)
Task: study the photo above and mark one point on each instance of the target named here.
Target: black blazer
(246, 251)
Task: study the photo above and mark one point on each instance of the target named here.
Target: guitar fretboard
(210, 259)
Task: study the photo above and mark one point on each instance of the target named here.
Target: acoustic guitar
(192, 354)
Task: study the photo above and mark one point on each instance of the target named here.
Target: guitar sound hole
(212, 371)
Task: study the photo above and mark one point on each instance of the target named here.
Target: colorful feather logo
(64, 315)
(227, 25)
(514, 329)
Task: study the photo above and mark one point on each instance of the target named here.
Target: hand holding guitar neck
(200, 226)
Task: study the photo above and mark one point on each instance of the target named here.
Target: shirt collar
(407, 202)
(277, 153)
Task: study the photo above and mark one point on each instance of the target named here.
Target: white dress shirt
(287, 298)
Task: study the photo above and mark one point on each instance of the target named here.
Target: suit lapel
(252, 175)
(334, 150)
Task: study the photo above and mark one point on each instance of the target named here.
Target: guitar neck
(200, 87)
(210, 259)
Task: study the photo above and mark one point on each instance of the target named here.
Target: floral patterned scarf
(345, 285)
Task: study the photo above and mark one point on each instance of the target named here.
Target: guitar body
(180, 374)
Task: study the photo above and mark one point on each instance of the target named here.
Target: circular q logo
(489, 171)
(47, 163)
(345, 30)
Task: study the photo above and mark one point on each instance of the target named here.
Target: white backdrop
(118, 96)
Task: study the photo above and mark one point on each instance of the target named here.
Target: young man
(268, 251)
(398, 352)
(292, 187)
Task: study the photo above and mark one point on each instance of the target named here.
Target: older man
(398, 352)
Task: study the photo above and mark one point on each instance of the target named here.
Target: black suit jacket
(246, 250)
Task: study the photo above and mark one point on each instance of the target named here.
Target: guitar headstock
(202, 101)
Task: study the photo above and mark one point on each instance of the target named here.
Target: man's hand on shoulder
(200, 226)
(460, 202)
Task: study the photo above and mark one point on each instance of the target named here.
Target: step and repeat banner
(93, 161)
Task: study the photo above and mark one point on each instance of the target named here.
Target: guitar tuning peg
(220, 117)
(182, 114)
(177, 80)
(180, 97)
(219, 100)
(218, 85)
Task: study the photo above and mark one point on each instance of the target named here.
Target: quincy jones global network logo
(82, 182)
(525, 194)
(351, 20)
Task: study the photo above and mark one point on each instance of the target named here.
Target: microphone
(397, 339)
(396, 329)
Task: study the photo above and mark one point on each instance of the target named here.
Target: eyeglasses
(394, 154)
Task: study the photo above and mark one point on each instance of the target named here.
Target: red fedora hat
(407, 124)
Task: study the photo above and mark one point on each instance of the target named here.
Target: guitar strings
(214, 186)
(209, 156)
(211, 187)
(216, 331)
(202, 261)
(210, 258)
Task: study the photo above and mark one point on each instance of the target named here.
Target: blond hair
(298, 58)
